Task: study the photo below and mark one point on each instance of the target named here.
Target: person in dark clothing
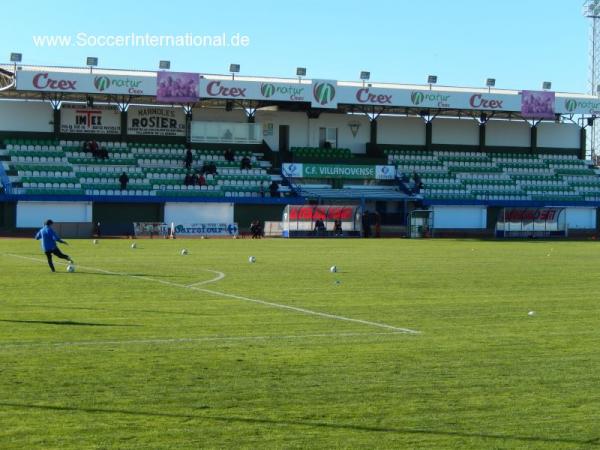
(94, 149)
(201, 180)
(187, 181)
(418, 183)
(189, 158)
(319, 227)
(123, 179)
(229, 155)
(337, 227)
(49, 239)
(102, 153)
(366, 224)
(97, 230)
(245, 163)
(261, 189)
(274, 189)
(255, 229)
(212, 168)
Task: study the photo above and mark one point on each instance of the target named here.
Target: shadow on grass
(69, 323)
(309, 423)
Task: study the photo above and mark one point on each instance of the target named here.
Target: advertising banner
(177, 87)
(206, 229)
(155, 121)
(324, 94)
(89, 83)
(193, 229)
(103, 119)
(302, 170)
(572, 105)
(253, 90)
(537, 104)
(366, 95)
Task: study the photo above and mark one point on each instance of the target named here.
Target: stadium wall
(581, 218)
(28, 116)
(33, 214)
(455, 132)
(218, 115)
(186, 213)
(304, 132)
(244, 214)
(503, 133)
(459, 217)
(401, 131)
(552, 135)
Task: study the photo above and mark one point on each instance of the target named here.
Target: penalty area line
(240, 297)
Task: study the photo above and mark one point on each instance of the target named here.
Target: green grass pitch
(124, 354)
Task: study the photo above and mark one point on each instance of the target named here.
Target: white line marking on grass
(157, 341)
(239, 297)
(219, 277)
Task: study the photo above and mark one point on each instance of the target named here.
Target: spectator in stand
(212, 168)
(261, 189)
(102, 153)
(204, 168)
(274, 189)
(86, 147)
(123, 179)
(229, 155)
(188, 179)
(94, 149)
(245, 163)
(418, 183)
(201, 180)
(189, 158)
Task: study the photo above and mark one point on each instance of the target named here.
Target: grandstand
(458, 152)
(46, 167)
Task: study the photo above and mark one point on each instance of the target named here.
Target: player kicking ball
(49, 239)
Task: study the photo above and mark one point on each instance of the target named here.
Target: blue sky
(519, 42)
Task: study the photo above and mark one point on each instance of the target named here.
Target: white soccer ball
(333, 269)
(251, 259)
(531, 313)
(70, 268)
(95, 241)
(184, 252)
(133, 245)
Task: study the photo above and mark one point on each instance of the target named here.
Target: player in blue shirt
(49, 239)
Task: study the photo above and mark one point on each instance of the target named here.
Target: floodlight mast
(591, 10)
